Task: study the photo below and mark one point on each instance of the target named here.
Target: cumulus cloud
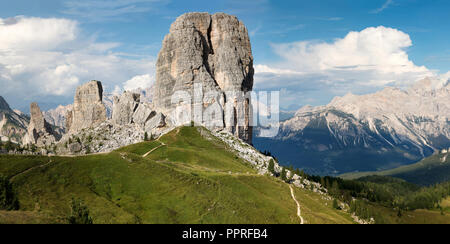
(360, 62)
(374, 48)
(22, 33)
(42, 57)
(139, 81)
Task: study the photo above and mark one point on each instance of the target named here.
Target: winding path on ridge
(30, 169)
(298, 205)
(162, 144)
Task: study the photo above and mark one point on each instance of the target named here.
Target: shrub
(283, 175)
(271, 167)
(8, 197)
(80, 213)
(9, 145)
(336, 205)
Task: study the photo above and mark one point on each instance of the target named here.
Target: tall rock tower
(88, 108)
(40, 132)
(209, 58)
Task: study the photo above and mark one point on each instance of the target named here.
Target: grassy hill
(188, 176)
(428, 171)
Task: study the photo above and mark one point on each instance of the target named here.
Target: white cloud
(360, 62)
(21, 33)
(51, 57)
(139, 81)
(374, 48)
(261, 68)
(383, 7)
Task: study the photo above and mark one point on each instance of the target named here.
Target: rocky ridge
(131, 120)
(261, 162)
(58, 115)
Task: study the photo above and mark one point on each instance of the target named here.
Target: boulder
(143, 113)
(75, 147)
(158, 121)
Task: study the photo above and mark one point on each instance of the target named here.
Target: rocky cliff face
(124, 107)
(91, 131)
(128, 109)
(58, 115)
(39, 131)
(12, 125)
(88, 109)
(366, 133)
(206, 65)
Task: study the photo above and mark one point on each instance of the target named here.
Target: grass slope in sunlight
(191, 177)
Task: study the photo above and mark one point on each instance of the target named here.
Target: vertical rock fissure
(209, 51)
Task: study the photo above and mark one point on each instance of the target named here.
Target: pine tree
(327, 183)
(146, 136)
(335, 189)
(271, 167)
(322, 182)
(80, 213)
(302, 174)
(9, 145)
(283, 175)
(8, 197)
(336, 205)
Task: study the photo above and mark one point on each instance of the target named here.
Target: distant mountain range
(384, 130)
(13, 124)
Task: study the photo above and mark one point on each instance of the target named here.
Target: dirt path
(162, 144)
(298, 205)
(30, 169)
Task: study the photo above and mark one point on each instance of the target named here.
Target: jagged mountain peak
(357, 132)
(12, 124)
(425, 98)
(3, 104)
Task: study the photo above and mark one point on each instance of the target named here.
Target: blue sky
(303, 48)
